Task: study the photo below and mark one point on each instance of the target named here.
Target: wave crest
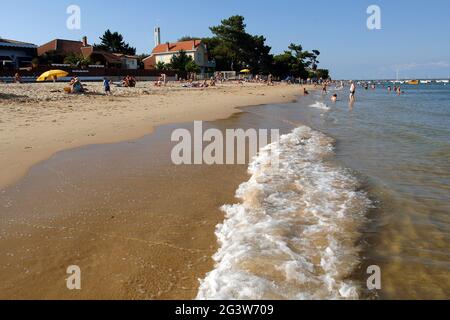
(294, 234)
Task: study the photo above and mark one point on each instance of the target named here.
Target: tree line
(232, 48)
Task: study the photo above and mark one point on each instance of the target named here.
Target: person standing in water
(352, 91)
(324, 88)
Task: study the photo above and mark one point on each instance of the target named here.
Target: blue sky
(414, 37)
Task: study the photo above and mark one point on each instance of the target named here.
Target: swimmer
(334, 97)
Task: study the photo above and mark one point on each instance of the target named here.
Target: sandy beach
(38, 120)
(112, 202)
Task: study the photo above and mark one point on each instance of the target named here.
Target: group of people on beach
(129, 82)
(75, 86)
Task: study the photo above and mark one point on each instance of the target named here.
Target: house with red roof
(98, 57)
(164, 53)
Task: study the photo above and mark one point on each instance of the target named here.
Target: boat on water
(425, 81)
(413, 82)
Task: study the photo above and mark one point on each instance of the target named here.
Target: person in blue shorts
(107, 86)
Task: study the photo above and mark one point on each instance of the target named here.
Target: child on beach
(17, 78)
(107, 86)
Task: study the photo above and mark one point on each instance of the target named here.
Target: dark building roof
(16, 44)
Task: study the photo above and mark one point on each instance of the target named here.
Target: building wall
(129, 63)
(167, 57)
(46, 48)
(15, 53)
(200, 56)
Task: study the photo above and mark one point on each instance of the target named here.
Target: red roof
(177, 46)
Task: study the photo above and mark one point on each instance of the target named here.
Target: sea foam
(294, 235)
(319, 105)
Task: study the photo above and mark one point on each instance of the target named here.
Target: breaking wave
(294, 235)
(319, 105)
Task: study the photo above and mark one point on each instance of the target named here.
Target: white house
(128, 62)
(164, 53)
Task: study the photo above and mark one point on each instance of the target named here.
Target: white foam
(319, 105)
(294, 234)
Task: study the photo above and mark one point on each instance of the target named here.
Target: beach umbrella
(245, 71)
(51, 74)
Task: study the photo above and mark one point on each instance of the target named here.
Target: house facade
(196, 49)
(128, 61)
(98, 57)
(15, 54)
(62, 46)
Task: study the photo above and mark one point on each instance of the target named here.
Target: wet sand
(137, 226)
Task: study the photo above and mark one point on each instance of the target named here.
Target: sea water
(359, 184)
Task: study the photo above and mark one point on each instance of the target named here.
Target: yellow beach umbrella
(245, 71)
(51, 74)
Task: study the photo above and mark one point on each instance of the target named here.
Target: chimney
(157, 36)
(85, 42)
(168, 46)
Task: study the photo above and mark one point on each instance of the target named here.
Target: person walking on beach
(107, 86)
(352, 91)
(270, 80)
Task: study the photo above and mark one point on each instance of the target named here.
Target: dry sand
(38, 120)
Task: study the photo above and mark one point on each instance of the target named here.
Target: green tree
(323, 73)
(77, 60)
(161, 66)
(182, 64)
(191, 66)
(187, 38)
(283, 65)
(296, 62)
(113, 42)
(232, 47)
